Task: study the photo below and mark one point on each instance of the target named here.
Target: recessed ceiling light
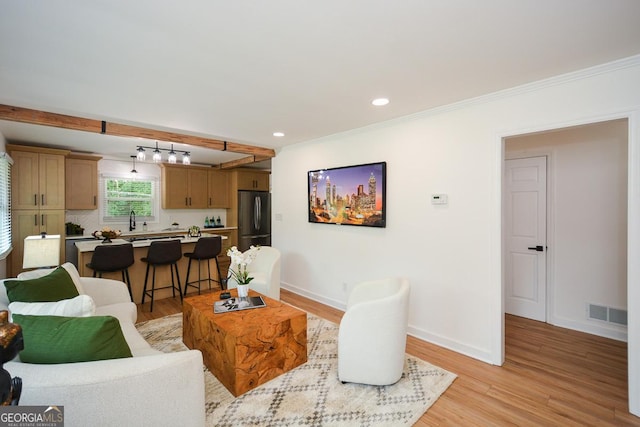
(379, 102)
(278, 134)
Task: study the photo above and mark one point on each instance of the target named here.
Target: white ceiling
(240, 70)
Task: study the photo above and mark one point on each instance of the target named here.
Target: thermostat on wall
(439, 199)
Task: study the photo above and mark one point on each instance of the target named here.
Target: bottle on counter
(144, 226)
(206, 222)
(219, 221)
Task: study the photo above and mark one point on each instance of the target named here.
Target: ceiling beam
(36, 117)
(138, 132)
(239, 162)
(44, 118)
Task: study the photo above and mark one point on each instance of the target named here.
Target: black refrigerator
(254, 219)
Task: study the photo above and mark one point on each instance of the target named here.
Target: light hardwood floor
(551, 376)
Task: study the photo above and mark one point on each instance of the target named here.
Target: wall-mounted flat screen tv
(349, 195)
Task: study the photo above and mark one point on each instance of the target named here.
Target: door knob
(538, 248)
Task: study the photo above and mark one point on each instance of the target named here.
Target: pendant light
(134, 172)
(157, 157)
(172, 156)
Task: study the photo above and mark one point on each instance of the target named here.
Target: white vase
(243, 291)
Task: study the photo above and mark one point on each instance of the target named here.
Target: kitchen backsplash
(90, 219)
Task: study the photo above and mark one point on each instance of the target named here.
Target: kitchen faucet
(132, 221)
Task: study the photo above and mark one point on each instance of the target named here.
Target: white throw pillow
(75, 276)
(80, 306)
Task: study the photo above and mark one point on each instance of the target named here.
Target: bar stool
(206, 248)
(110, 258)
(162, 253)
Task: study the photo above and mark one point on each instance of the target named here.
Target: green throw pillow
(58, 339)
(55, 286)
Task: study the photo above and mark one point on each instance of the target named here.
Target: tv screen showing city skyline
(349, 195)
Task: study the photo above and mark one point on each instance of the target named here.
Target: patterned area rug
(311, 394)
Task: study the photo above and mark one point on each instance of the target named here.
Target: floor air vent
(608, 314)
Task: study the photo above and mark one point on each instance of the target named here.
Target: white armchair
(265, 270)
(373, 333)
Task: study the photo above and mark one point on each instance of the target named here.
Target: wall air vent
(618, 316)
(607, 314)
(597, 312)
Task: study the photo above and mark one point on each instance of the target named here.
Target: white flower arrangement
(242, 260)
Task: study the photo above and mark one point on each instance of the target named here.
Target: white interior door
(525, 237)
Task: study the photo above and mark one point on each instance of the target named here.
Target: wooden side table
(244, 349)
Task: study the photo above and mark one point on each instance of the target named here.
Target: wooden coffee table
(246, 348)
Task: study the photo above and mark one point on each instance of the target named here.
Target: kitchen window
(5, 205)
(121, 196)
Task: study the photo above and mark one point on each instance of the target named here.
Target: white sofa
(149, 389)
(373, 332)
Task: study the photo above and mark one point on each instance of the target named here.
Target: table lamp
(41, 251)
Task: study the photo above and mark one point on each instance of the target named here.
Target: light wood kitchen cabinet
(37, 180)
(244, 179)
(184, 187)
(81, 181)
(247, 179)
(37, 197)
(30, 222)
(218, 189)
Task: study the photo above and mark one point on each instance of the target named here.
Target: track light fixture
(157, 154)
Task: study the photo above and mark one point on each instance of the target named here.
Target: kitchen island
(138, 269)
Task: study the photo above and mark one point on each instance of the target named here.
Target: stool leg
(209, 273)
(178, 278)
(199, 275)
(186, 283)
(125, 275)
(153, 286)
(94, 273)
(173, 285)
(223, 288)
(144, 290)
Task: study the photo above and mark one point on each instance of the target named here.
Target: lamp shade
(41, 251)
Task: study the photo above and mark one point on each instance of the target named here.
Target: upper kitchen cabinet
(218, 189)
(38, 177)
(81, 181)
(251, 179)
(184, 187)
(244, 179)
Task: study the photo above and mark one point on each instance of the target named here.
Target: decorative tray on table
(237, 304)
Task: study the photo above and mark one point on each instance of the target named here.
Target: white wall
(452, 254)
(90, 219)
(587, 231)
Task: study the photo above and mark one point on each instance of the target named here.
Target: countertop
(90, 245)
(156, 232)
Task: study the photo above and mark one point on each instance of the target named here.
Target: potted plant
(73, 229)
(241, 261)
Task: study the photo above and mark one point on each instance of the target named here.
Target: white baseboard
(475, 353)
(591, 327)
(315, 297)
